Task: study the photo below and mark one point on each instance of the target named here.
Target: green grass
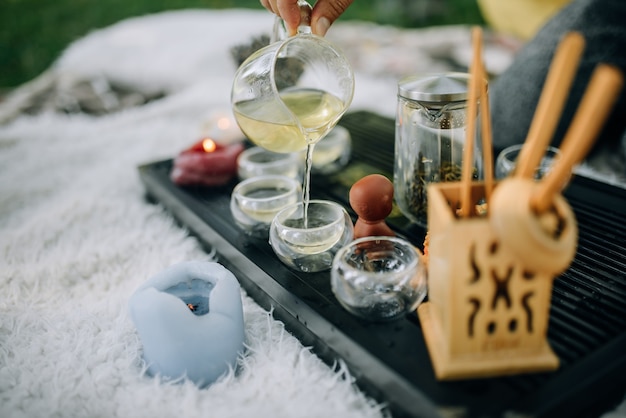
(34, 32)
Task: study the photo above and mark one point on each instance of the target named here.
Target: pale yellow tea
(261, 121)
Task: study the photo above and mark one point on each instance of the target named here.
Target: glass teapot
(431, 126)
(292, 92)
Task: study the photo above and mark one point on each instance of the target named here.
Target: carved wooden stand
(487, 313)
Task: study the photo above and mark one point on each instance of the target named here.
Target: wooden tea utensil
(550, 106)
(468, 152)
(533, 218)
(594, 109)
(477, 89)
(487, 138)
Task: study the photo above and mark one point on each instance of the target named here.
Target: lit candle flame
(208, 145)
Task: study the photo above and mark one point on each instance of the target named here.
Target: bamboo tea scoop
(474, 88)
(533, 218)
(550, 106)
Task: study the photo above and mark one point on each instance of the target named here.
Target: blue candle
(189, 318)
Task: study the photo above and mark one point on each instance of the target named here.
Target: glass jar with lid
(431, 122)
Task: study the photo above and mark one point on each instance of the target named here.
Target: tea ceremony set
(204, 216)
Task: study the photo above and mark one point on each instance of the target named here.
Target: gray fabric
(515, 93)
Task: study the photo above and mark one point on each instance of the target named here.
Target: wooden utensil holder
(487, 313)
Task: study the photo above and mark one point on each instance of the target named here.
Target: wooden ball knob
(371, 198)
(543, 242)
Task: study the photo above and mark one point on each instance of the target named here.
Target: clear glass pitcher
(292, 92)
(431, 121)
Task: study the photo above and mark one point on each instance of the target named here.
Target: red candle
(205, 145)
(206, 163)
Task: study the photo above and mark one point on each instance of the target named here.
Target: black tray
(587, 328)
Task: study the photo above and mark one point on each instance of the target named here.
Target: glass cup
(379, 278)
(332, 153)
(254, 202)
(309, 244)
(507, 159)
(257, 161)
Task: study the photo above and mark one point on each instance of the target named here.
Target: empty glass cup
(309, 243)
(254, 202)
(507, 159)
(257, 161)
(332, 153)
(379, 278)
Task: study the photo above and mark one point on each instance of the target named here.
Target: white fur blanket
(77, 237)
